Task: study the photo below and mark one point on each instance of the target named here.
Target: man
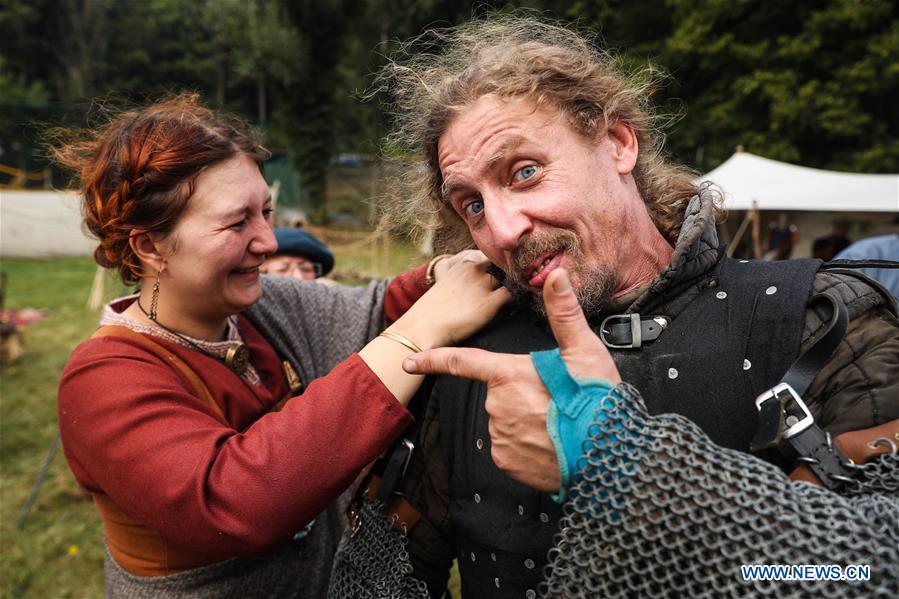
(300, 255)
(542, 154)
(880, 247)
(834, 243)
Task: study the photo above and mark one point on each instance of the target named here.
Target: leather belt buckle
(776, 419)
(395, 470)
(783, 393)
(605, 330)
(409, 447)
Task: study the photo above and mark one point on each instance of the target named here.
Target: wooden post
(373, 245)
(741, 230)
(95, 298)
(756, 231)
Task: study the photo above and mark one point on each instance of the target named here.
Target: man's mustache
(534, 247)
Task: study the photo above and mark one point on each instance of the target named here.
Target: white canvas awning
(780, 186)
(42, 224)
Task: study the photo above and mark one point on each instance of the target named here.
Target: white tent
(41, 224)
(780, 186)
(46, 224)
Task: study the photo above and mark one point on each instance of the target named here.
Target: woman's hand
(444, 263)
(463, 299)
(517, 400)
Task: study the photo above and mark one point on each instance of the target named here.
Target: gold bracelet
(429, 273)
(402, 340)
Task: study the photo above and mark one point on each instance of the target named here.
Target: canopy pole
(756, 230)
(95, 299)
(741, 230)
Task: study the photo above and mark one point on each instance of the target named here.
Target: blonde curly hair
(442, 72)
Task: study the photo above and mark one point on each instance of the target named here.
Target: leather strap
(387, 472)
(630, 331)
(395, 469)
(199, 386)
(139, 549)
(833, 264)
(863, 445)
(860, 446)
(773, 414)
(807, 366)
(400, 513)
(812, 446)
(784, 419)
(816, 449)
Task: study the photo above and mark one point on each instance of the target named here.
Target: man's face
(284, 265)
(536, 195)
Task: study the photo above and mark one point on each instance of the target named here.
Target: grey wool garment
(314, 327)
(317, 326)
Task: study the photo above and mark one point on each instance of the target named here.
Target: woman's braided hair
(137, 171)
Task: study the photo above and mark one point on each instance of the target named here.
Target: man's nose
(508, 223)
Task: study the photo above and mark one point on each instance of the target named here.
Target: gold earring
(154, 298)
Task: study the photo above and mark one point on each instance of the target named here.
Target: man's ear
(146, 248)
(624, 147)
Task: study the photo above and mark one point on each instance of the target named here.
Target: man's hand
(517, 400)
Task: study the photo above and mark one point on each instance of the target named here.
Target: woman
(174, 416)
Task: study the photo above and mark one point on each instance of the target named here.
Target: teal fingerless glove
(572, 411)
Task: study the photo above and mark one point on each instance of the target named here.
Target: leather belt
(630, 331)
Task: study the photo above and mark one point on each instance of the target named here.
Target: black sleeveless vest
(733, 333)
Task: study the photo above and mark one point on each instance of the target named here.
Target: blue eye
(473, 208)
(525, 172)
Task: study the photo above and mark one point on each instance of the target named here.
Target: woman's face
(215, 250)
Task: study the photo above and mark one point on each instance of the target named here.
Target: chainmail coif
(661, 511)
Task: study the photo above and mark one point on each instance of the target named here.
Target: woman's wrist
(421, 331)
(401, 339)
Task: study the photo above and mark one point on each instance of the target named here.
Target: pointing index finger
(463, 362)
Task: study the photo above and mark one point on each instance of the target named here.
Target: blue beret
(297, 242)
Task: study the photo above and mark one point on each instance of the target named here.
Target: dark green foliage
(808, 82)
(805, 82)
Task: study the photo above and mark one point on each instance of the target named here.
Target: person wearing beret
(300, 255)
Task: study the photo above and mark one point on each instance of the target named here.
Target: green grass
(59, 551)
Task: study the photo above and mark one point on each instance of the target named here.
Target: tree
(810, 83)
(309, 99)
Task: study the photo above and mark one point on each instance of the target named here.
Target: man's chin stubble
(593, 293)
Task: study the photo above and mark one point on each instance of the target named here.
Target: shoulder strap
(842, 263)
(848, 267)
(199, 386)
(786, 422)
(807, 366)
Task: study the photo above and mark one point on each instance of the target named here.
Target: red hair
(138, 170)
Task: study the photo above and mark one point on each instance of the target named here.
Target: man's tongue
(539, 276)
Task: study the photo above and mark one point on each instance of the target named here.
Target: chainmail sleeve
(661, 511)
